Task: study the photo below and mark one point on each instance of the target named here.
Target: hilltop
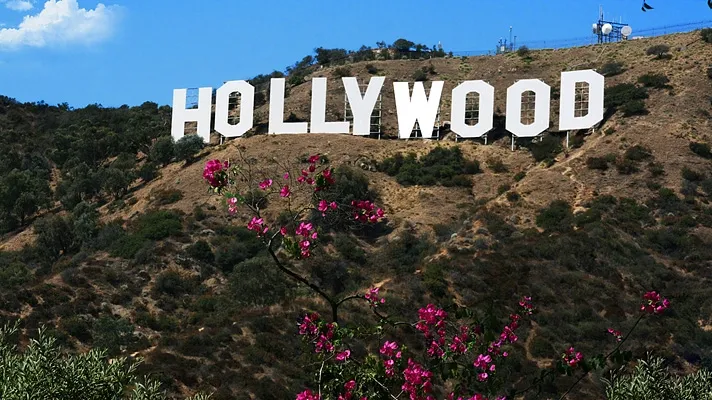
(583, 230)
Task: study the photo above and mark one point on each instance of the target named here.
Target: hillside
(633, 216)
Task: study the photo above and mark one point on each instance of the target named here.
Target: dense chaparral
(461, 354)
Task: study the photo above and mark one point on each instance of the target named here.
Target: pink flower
(232, 205)
(616, 334)
(256, 224)
(284, 192)
(572, 357)
(313, 159)
(307, 395)
(266, 184)
(286, 175)
(323, 207)
(333, 205)
(653, 303)
(215, 173)
(388, 348)
(372, 297)
(283, 231)
(482, 377)
(312, 168)
(343, 356)
(350, 385)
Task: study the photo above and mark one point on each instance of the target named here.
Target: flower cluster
(232, 205)
(215, 172)
(257, 225)
(485, 365)
(308, 395)
(527, 306)
(451, 396)
(307, 232)
(372, 297)
(320, 335)
(432, 324)
(324, 206)
(390, 350)
(459, 341)
(616, 334)
(572, 357)
(653, 303)
(364, 211)
(349, 388)
(417, 381)
(266, 184)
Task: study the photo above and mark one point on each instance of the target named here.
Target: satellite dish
(606, 29)
(595, 29)
(626, 31)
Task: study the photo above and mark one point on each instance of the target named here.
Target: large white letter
(276, 111)
(247, 105)
(362, 107)
(485, 121)
(201, 115)
(419, 108)
(541, 108)
(318, 111)
(567, 117)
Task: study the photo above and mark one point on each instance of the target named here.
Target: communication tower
(610, 31)
(504, 46)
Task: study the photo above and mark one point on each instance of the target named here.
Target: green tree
(163, 150)
(650, 380)
(41, 371)
(188, 146)
(55, 235)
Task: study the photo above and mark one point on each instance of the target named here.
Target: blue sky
(131, 51)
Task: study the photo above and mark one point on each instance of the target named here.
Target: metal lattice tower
(581, 99)
(376, 115)
(191, 103)
(233, 108)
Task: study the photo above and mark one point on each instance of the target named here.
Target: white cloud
(62, 22)
(18, 5)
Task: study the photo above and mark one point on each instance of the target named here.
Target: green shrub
(112, 334)
(168, 196)
(701, 149)
(13, 274)
(611, 69)
(78, 327)
(420, 75)
(349, 249)
(523, 52)
(626, 166)
(496, 165)
(68, 376)
(163, 150)
(441, 166)
(599, 163)
(546, 149)
(623, 93)
(371, 69)
(651, 380)
(55, 235)
(706, 35)
(660, 51)
(258, 282)
(634, 107)
(201, 251)
(127, 246)
(513, 197)
(519, 176)
(158, 224)
(173, 284)
(654, 80)
(344, 71)
(236, 250)
(557, 217)
(148, 171)
(637, 153)
(187, 147)
(434, 280)
(691, 175)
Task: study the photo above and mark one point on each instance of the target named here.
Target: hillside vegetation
(112, 240)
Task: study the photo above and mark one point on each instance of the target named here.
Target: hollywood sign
(410, 108)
